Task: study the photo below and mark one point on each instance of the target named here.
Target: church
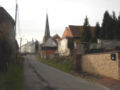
(49, 45)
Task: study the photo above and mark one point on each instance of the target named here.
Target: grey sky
(61, 14)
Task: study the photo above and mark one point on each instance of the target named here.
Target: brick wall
(101, 64)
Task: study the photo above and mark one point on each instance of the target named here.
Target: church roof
(50, 43)
(47, 30)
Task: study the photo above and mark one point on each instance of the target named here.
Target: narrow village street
(38, 76)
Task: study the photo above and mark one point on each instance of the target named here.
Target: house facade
(29, 47)
(73, 33)
(63, 49)
(8, 43)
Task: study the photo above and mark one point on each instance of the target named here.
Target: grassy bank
(61, 63)
(13, 78)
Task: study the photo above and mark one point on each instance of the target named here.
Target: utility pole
(16, 20)
(16, 12)
(20, 43)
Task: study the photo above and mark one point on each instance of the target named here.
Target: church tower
(47, 30)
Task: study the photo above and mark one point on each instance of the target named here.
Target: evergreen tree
(114, 26)
(118, 27)
(119, 18)
(114, 16)
(86, 34)
(107, 27)
(97, 32)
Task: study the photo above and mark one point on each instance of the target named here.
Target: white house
(63, 49)
(29, 47)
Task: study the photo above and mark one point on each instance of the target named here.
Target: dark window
(113, 57)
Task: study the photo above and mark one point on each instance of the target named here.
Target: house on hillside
(8, 43)
(73, 33)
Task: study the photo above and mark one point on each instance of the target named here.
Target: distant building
(56, 38)
(29, 47)
(47, 30)
(49, 46)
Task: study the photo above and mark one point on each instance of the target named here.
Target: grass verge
(13, 78)
(61, 63)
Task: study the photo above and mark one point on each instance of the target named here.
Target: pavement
(110, 83)
(38, 76)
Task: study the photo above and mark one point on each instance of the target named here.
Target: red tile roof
(76, 31)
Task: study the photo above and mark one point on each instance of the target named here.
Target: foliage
(97, 32)
(61, 63)
(86, 34)
(13, 78)
(110, 27)
(86, 37)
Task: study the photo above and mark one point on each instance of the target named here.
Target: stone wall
(101, 64)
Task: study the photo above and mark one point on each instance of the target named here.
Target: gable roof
(76, 31)
(67, 33)
(50, 43)
(56, 38)
(5, 16)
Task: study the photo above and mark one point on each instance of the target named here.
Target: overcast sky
(32, 14)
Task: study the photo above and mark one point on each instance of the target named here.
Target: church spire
(47, 30)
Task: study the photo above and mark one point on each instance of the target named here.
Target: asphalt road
(38, 76)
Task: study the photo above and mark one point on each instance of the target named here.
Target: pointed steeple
(47, 30)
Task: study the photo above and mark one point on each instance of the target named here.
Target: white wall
(63, 49)
(28, 48)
